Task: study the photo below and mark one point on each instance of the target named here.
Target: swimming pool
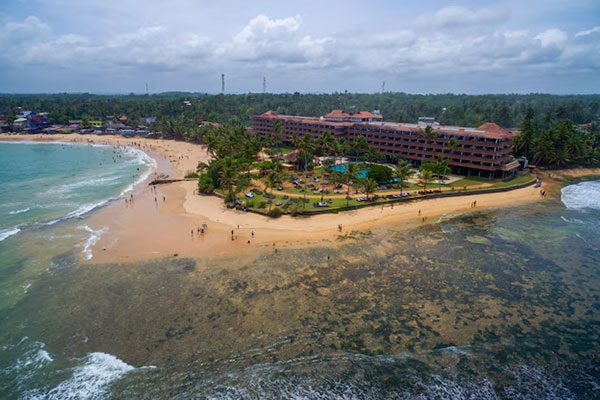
(362, 173)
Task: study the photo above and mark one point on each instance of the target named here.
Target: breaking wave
(19, 211)
(89, 380)
(95, 235)
(582, 196)
(6, 233)
(79, 212)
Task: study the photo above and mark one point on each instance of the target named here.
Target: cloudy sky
(117, 46)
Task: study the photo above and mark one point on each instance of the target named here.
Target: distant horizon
(299, 92)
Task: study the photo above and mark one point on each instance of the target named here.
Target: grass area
(469, 180)
(282, 149)
(519, 179)
(339, 203)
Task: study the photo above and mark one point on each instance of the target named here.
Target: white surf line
(20, 211)
(6, 233)
(95, 235)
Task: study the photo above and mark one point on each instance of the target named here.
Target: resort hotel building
(485, 151)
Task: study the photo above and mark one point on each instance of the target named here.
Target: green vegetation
(180, 121)
(555, 141)
(380, 173)
(191, 175)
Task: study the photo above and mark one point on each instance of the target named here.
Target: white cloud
(461, 17)
(476, 42)
(588, 32)
(552, 37)
(262, 27)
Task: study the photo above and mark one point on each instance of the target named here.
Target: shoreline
(164, 221)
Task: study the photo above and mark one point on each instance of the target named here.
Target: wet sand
(149, 228)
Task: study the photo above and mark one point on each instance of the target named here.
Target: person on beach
(419, 212)
(252, 233)
(192, 233)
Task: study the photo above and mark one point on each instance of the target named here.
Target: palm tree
(305, 148)
(277, 131)
(452, 145)
(342, 147)
(228, 175)
(426, 134)
(403, 172)
(360, 147)
(440, 168)
(369, 185)
(425, 177)
(325, 143)
(349, 174)
(273, 179)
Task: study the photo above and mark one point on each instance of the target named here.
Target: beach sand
(150, 228)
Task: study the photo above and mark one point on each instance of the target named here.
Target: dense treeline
(555, 141)
(507, 110)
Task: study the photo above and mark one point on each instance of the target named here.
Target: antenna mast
(222, 83)
(383, 87)
(264, 84)
(146, 88)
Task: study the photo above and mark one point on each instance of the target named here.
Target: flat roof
(487, 130)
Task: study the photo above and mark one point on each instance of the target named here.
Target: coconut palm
(425, 177)
(427, 134)
(325, 143)
(350, 175)
(228, 176)
(305, 149)
(403, 172)
(277, 132)
(273, 179)
(342, 147)
(440, 168)
(369, 186)
(452, 145)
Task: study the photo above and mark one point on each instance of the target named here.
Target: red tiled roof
(269, 114)
(337, 114)
(343, 115)
(366, 114)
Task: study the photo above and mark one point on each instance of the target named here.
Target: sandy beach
(164, 221)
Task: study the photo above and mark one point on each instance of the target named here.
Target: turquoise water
(497, 304)
(46, 190)
(42, 184)
(344, 167)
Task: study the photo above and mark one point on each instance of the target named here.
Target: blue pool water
(344, 167)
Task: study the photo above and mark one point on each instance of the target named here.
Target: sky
(120, 46)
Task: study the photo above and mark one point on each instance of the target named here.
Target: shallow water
(495, 304)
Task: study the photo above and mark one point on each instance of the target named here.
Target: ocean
(495, 304)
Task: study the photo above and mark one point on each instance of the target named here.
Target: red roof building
(484, 151)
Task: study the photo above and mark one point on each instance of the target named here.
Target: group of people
(474, 204)
(129, 201)
(200, 230)
(153, 190)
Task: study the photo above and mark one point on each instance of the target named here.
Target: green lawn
(519, 179)
(337, 203)
(468, 181)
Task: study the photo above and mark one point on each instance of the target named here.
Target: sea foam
(79, 212)
(581, 196)
(19, 211)
(95, 235)
(91, 379)
(6, 233)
